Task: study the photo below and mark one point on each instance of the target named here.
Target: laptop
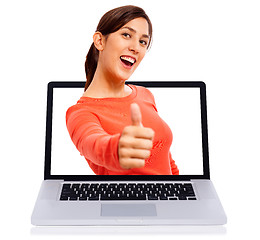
(72, 194)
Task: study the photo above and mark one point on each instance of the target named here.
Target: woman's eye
(143, 42)
(127, 35)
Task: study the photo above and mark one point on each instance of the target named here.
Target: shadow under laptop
(133, 230)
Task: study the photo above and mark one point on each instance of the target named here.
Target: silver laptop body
(187, 118)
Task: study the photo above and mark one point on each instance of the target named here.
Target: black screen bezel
(162, 84)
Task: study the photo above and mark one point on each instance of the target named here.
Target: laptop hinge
(200, 180)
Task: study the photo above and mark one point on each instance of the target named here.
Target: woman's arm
(91, 140)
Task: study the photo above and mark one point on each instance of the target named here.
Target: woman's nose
(134, 47)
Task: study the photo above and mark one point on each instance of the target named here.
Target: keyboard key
(152, 197)
(75, 186)
(83, 198)
(93, 198)
(74, 198)
(64, 198)
(162, 197)
(182, 198)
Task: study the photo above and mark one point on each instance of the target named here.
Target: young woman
(116, 126)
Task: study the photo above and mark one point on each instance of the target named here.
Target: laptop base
(49, 210)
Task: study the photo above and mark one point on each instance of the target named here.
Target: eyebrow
(133, 30)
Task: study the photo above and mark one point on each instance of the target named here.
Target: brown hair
(111, 22)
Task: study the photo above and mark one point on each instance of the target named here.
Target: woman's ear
(98, 40)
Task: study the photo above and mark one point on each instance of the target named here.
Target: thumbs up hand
(135, 142)
(136, 115)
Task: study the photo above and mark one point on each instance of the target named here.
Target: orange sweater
(95, 125)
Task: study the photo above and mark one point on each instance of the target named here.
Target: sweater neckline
(119, 99)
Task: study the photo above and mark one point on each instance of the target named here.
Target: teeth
(131, 60)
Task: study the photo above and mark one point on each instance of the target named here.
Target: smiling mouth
(128, 61)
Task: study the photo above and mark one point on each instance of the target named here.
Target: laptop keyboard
(126, 191)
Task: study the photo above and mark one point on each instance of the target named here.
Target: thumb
(136, 115)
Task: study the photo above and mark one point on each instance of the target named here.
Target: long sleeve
(91, 140)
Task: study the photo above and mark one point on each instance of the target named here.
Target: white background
(213, 41)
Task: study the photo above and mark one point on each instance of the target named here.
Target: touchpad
(134, 210)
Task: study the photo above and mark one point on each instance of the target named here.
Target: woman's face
(124, 49)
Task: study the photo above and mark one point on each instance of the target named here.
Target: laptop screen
(180, 104)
